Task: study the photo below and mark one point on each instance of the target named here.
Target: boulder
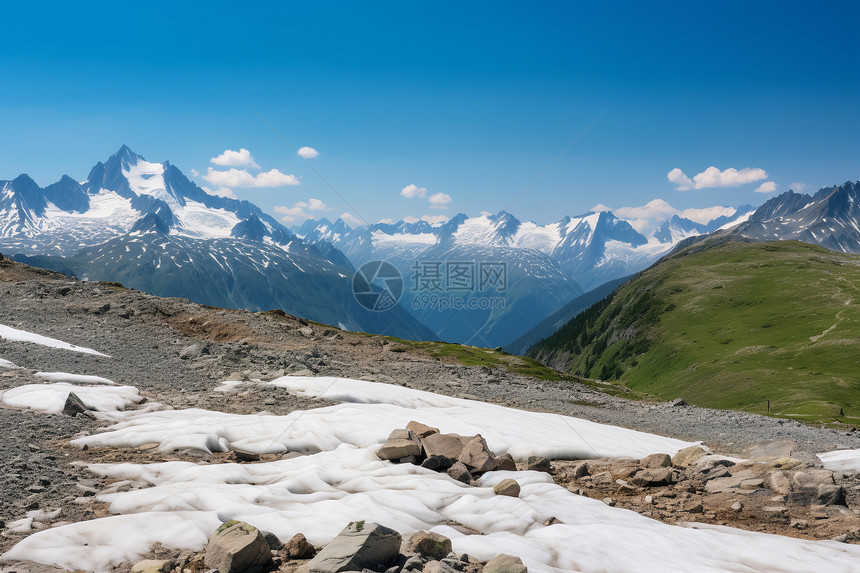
(298, 547)
(651, 477)
(193, 351)
(778, 482)
(235, 547)
(538, 464)
(505, 462)
(73, 405)
(773, 449)
(359, 546)
(830, 494)
(460, 472)
(438, 567)
(811, 479)
(429, 545)
(687, 456)
(679, 403)
(505, 564)
(437, 463)
(507, 487)
(422, 430)
(152, 566)
(400, 444)
(447, 445)
(477, 456)
(579, 470)
(656, 461)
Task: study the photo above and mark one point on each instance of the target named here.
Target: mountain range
(149, 227)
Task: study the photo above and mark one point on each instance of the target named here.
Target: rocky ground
(176, 353)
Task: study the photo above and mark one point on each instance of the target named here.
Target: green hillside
(729, 326)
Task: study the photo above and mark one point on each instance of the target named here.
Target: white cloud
(707, 214)
(388, 221)
(712, 178)
(351, 219)
(435, 219)
(241, 178)
(677, 177)
(221, 192)
(316, 205)
(485, 213)
(411, 191)
(307, 152)
(766, 187)
(439, 200)
(654, 209)
(230, 158)
(798, 187)
(194, 172)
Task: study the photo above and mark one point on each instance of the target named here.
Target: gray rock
(773, 449)
(152, 566)
(778, 482)
(298, 547)
(460, 472)
(400, 444)
(414, 563)
(272, 540)
(438, 567)
(651, 477)
(193, 351)
(656, 461)
(538, 464)
(73, 405)
(360, 545)
(507, 487)
(505, 564)
(429, 545)
(811, 479)
(477, 456)
(437, 463)
(447, 445)
(579, 470)
(689, 455)
(235, 547)
(422, 430)
(678, 403)
(505, 462)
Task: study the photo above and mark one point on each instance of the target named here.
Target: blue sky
(475, 101)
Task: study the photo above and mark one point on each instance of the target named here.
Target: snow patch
(51, 398)
(15, 335)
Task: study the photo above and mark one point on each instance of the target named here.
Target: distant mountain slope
(830, 218)
(729, 325)
(556, 320)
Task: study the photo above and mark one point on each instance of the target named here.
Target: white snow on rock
(847, 461)
(51, 398)
(369, 412)
(319, 494)
(15, 335)
(7, 364)
(73, 378)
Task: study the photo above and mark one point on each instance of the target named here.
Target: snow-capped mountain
(546, 265)
(830, 218)
(146, 225)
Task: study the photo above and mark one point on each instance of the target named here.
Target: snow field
(15, 335)
(51, 398)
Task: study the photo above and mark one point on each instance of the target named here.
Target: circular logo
(377, 285)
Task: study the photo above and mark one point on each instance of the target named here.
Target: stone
(651, 477)
(429, 545)
(422, 430)
(505, 564)
(235, 547)
(744, 479)
(507, 487)
(477, 456)
(684, 458)
(152, 566)
(460, 472)
(74, 405)
(580, 470)
(360, 545)
(272, 540)
(717, 472)
(438, 567)
(193, 351)
(414, 563)
(778, 482)
(609, 501)
(678, 403)
(538, 464)
(830, 494)
(656, 461)
(505, 462)
(447, 445)
(811, 479)
(400, 444)
(298, 547)
(437, 463)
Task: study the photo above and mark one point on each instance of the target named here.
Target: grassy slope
(733, 327)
